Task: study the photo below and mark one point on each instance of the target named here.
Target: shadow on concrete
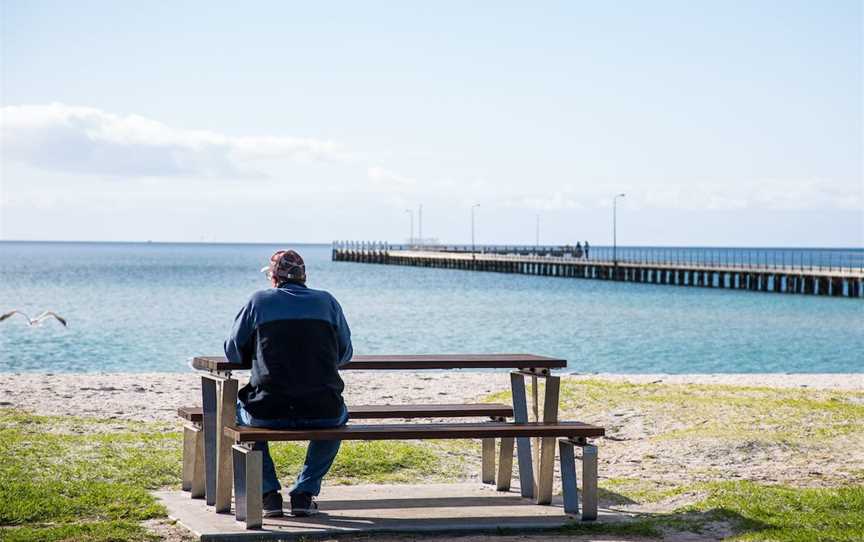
(418, 502)
(427, 508)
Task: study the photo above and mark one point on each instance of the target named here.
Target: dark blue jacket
(296, 338)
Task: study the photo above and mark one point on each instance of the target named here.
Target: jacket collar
(291, 284)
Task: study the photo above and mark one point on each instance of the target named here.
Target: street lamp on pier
(411, 215)
(420, 225)
(537, 233)
(615, 228)
(472, 228)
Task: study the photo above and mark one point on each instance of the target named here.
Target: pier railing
(779, 259)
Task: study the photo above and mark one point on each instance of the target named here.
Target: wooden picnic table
(413, 362)
(219, 398)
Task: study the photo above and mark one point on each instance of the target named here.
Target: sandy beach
(672, 428)
(156, 396)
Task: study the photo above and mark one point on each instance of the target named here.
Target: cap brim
(265, 269)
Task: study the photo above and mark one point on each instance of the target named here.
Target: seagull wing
(49, 314)
(12, 313)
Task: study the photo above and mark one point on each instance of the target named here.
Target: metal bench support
(505, 465)
(569, 478)
(488, 467)
(193, 460)
(189, 435)
(247, 486)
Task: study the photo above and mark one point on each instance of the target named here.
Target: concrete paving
(367, 509)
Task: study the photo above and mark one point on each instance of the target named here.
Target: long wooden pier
(790, 279)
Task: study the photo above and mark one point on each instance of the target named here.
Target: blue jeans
(319, 455)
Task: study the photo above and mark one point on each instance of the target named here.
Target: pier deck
(838, 281)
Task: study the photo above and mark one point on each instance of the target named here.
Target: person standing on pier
(578, 252)
(295, 339)
(587, 247)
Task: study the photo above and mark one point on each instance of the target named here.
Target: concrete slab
(381, 508)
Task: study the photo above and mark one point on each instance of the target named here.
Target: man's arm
(237, 343)
(343, 335)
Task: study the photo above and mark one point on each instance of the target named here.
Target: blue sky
(726, 123)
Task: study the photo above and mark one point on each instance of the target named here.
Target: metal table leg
(218, 399)
(520, 415)
(535, 441)
(225, 414)
(546, 461)
(208, 402)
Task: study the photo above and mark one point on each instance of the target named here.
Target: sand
(156, 396)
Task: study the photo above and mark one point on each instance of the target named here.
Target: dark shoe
(303, 505)
(272, 505)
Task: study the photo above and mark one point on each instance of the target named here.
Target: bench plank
(369, 412)
(361, 412)
(413, 362)
(420, 431)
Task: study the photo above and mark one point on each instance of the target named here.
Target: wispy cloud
(88, 140)
(761, 194)
(698, 195)
(383, 176)
(554, 201)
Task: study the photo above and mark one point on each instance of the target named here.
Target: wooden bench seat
(193, 451)
(410, 431)
(368, 412)
(247, 462)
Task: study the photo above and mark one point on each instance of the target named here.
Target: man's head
(285, 266)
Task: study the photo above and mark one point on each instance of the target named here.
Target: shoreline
(156, 396)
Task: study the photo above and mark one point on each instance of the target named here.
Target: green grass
(755, 512)
(786, 514)
(790, 415)
(72, 479)
(77, 479)
(365, 462)
(700, 415)
(100, 531)
(639, 490)
(65, 478)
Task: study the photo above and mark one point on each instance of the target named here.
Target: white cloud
(554, 201)
(88, 140)
(757, 194)
(382, 176)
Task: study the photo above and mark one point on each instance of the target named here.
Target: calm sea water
(150, 307)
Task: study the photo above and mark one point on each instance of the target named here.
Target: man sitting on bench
(296, 339)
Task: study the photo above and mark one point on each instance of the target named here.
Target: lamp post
(420, 225)
(537, 233)
(472, 228)
(615, 228)
(411, 237)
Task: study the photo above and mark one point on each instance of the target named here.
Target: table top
(413, 362)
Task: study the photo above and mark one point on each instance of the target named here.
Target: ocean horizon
(151, 306)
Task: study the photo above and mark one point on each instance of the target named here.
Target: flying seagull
(35, 321)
